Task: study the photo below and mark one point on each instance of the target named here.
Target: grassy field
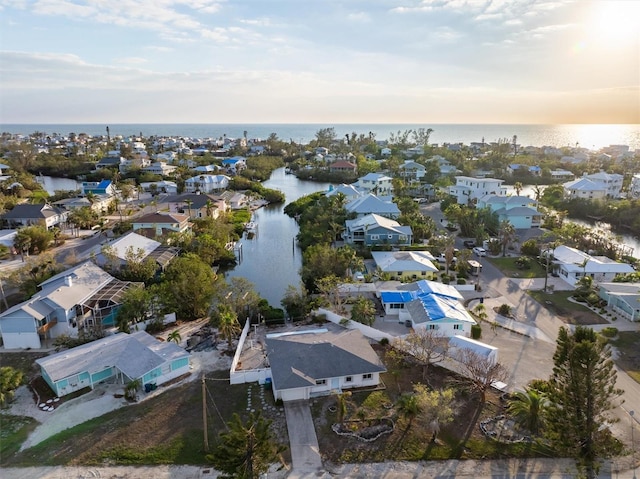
(508, 267)
(571, 313)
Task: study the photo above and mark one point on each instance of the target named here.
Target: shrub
(523, 263)
(504, 310)
(461, 281)
(530, 248)
(476, 331)
(446, 280)
(384, 341)
(609, 332)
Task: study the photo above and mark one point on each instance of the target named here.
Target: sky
(319, 61)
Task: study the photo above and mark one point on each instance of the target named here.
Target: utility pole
(204, 415)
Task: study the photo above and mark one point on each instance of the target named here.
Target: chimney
(68, 281)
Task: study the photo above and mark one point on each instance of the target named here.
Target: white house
(468, 190)
(160, 168)
(206, 183)
(585, 188)
(349, 191)
(429, 305)
(320, 362)
(572, 264)
(594, 186)
(375, 183)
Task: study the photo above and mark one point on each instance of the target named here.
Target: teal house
(119, 359)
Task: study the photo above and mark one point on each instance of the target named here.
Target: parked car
(478, 251)
(441, 258)
(469, 244)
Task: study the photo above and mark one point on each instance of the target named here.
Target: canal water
(271, 260)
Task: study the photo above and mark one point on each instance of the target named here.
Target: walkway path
(305, 452)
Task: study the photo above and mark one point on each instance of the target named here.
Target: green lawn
(572, 313)
(508, 267)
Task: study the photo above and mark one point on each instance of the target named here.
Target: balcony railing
(46, 327)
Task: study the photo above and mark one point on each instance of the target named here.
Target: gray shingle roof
(300, 359)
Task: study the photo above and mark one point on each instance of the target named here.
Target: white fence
(367, 331)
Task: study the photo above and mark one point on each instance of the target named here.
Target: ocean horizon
(591, 136)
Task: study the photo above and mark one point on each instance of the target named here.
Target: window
(432, 326)
(321, 382)
(367, 376)
(348, 379)
(457, 326)
(375, 237)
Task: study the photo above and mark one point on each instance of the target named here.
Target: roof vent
(68, 281)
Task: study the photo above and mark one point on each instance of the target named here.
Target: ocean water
(592, 137)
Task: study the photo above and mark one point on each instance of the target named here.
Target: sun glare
(615, 21)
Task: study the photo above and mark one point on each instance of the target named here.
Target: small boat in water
(251, 227)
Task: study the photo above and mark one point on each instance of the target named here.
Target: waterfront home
(371, 204)
(99, 204)
(516, 168)
(234, 164)
(235, 199)
(572, 264)
(623, 299)
(111, 161)
(611, 181)
(349, 191)
(375, 183)
(120, 358)
(374, 230)
(343, 166)
(405, 265)
(585, 188)
(520, 211)
(154, 225)
(206, 183)
(42, 214)
(320, 362)
(98, 188)
(428, 305)
(85, 296)
(468, 190)
(197, 205)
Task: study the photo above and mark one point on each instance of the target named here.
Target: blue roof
(233, 160)
(396, 296)
(104, 184)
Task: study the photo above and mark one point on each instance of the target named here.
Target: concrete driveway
(305, 452)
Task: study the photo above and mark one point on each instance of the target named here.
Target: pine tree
(582, 388)
(247, 449)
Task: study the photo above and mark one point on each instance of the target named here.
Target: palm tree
(507, 233)
(518, 187)
(188, 203)
(174, 336)
(528, 409)
(228, 325)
